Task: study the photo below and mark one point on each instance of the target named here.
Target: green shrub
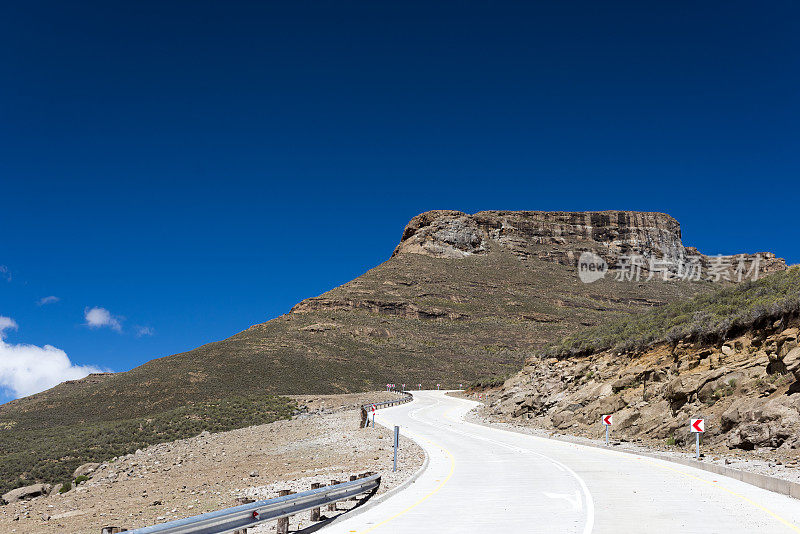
(65, 487)
(80, 479)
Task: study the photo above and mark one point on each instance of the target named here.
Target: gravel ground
(766, 462)
(208, 472)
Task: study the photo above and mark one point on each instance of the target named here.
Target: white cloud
(28, 369)
(144, 331)
(52, 299)
(5, 273)
(6, 323)
(100, 318)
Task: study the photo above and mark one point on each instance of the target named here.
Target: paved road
(486, 480)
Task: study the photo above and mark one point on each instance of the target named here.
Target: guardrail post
(332, 506)
(283, 522)
(315, 511)
(352, 478)
(240, 501)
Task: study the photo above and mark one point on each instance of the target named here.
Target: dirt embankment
(208, 472)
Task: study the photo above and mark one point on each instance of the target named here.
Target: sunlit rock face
(560, 236)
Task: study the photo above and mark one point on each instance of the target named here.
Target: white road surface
(487, 480)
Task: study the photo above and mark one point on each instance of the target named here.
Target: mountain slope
(462, 296)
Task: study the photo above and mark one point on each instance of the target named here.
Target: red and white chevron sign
(374, 408)
(607, 420)
(698, 425)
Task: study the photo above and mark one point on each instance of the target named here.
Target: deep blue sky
(198, 167)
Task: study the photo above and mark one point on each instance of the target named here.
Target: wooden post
(239, 502)
(112, 530)
(363, 417)
(315, 511)
(332, 506)
(283, 522)
(352, 478)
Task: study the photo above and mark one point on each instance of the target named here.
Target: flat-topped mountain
(560, 236)
(462, 296)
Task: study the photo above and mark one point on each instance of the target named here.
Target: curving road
(489, 480)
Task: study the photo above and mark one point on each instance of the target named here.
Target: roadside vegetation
(50, 455)
(710, 318)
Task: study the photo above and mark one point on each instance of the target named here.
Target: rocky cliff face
(745, 388)
(454, 234)
(561, 237)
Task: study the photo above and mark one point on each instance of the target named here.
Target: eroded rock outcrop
(744, 387)
(402, 309)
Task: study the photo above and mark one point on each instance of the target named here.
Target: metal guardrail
(407, 397)
(250, 515)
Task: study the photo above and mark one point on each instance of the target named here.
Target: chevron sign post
(698, 426)
(607, 421)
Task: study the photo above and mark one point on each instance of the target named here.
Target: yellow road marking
(720, 486)
(711, 483)
(426, 497)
